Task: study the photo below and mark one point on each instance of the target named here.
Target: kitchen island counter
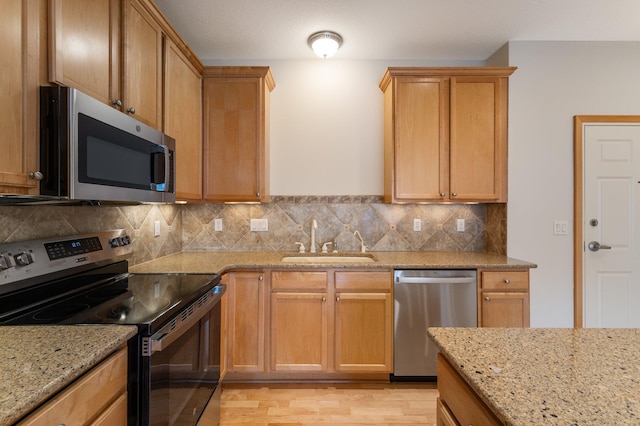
(223, 261)
(549, 376)
(36, 362)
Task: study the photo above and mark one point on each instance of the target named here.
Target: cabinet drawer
(443, 415)
(505, 280)
(298, 280)
(457, 395)
(86, 398)
(368, 280)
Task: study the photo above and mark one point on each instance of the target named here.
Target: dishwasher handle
(435, 280)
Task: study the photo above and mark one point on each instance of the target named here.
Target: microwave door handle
(159, 164)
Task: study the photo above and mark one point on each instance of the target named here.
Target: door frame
(578, 188)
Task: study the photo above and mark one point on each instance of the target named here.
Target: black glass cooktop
(146, 300)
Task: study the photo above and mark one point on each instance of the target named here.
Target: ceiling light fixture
(325, 44)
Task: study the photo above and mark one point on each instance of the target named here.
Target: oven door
(184, 366)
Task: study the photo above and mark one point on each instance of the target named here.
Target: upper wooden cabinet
(183, 120)
(142, 59)
(19, 80)
(84, 46)
(445, 137)
(236, 133)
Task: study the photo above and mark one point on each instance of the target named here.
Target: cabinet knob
(507, 281)
(454, 194)
(37, 175)
(257, 195)
(324, 299)
(131, 110)
(337, 298)
(117, 103)
(487, 298)
(260, 278)
(442, 194)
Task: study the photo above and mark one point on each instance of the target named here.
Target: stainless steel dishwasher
(428, 298)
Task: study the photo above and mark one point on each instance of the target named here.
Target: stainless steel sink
(329, 259)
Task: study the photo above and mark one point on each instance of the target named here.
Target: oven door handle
(182, 322)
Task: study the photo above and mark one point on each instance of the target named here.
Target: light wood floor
(318, 404)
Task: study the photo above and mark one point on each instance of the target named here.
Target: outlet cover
(417, 225)
(259, 225)
(217, 225)
(156, 228)
(460, 225)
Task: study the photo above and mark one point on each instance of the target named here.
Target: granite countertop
(549, 376)
(38, 361)
(223, 261)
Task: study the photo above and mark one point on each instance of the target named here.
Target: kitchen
(561, 71)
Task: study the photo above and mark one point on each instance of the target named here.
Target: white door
(611, 212)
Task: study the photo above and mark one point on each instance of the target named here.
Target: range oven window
(184, 375)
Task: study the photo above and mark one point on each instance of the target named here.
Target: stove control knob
(6, 262)
(23, 259)
(126, 240)
(115, 242)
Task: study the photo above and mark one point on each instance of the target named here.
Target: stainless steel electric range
(174, 361)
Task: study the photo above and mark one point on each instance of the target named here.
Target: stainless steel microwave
(91, 151)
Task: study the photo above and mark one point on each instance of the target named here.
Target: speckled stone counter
(549, 376)
(38, 361)
(222, 261)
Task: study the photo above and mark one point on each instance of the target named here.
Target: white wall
(327, 124)
(554, 82)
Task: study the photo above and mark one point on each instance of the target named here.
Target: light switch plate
(460, 225)
(560, 227)
(156, 228)
(417, 224)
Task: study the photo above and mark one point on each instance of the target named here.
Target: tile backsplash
(384, 227)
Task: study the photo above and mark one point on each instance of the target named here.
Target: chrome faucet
(363, 248)
(314, 226)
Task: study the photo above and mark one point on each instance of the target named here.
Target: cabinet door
(142, 75)
(421, 139)
(478, 148)
(234, 161)
(504, 309)
(364, 332)
(84, 47)
(299, 330)
(19, 124)
(183, 120)
(246, 298)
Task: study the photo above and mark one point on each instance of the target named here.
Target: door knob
(596, 246)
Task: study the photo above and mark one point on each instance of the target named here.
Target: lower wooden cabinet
(246, 322)
(458, 404)
(299, 321)
(99, 397)
(321, 322)
(364, 322)
(503, 298)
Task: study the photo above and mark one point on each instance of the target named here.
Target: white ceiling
(438, 30)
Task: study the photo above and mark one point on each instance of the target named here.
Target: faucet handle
(324, 247)
(301, 249)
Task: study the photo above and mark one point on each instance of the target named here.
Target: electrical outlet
(460, 225)
(259, 225)
(156, 228)
(217, 225)
(417, 225)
